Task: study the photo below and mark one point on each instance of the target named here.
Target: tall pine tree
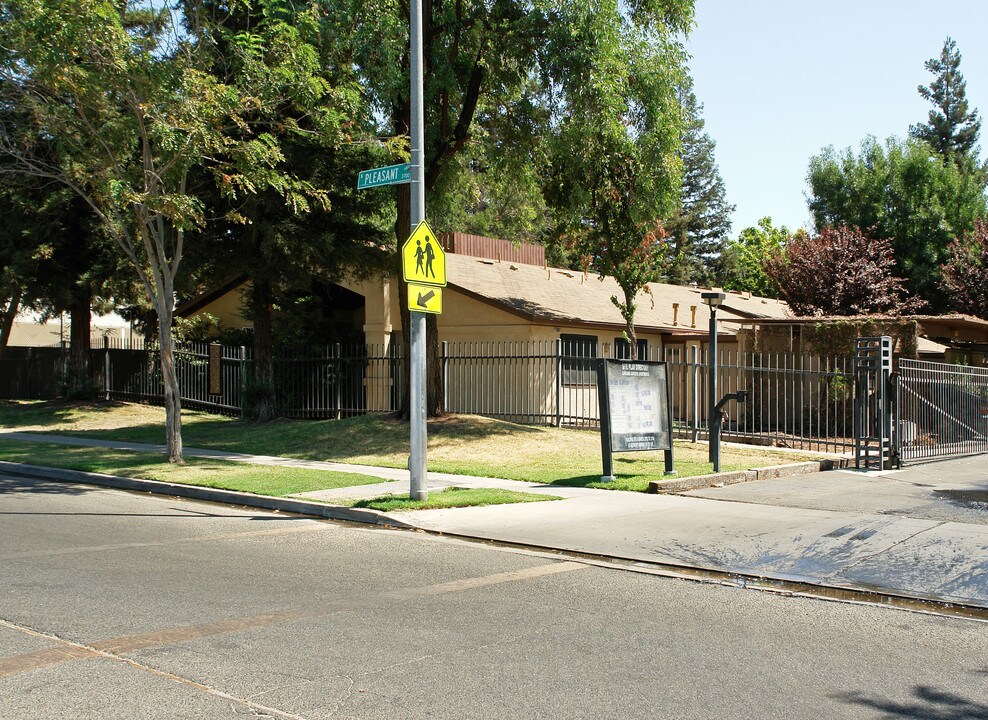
(953, 127)
(698, 230)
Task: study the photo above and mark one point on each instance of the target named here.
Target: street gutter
(787, 586)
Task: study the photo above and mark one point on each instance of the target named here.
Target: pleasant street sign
(391, 175)
(423, 267)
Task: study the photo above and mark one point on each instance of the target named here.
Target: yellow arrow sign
(422, 258)
(425, 299)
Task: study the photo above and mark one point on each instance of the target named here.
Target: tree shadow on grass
(628, 483)
(15, 413)
(927, 703)
(361, 436)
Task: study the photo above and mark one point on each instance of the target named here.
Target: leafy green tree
(282, 248)
(966, 272)
(742, 263)
(698, 229)
(21, 251)
(952, 127)
(129, 100)
(840, 271)
(615, 163)
(77, 270)
(514, 68)
(899, 191)
(487, 190)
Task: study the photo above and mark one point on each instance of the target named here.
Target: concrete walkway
(920, 532)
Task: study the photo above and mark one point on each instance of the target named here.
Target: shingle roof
(554, 295)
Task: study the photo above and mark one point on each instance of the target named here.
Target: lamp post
(714, 300)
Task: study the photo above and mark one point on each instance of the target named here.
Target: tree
(20, 253)
(76, 270)
(966, 271)
(742, 263)
(512, 65)
(487, 190)
(952, 128)
(615, 170)
(901, 192)
(618, 242)
(124, 94)
(840, 271)
(698, 229)
(283, 248)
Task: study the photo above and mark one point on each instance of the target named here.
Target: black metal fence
(941, 410)
(794, 401)
(32, 373)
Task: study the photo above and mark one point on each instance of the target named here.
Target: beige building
(503, 301)
(30, 330)
(498, 292)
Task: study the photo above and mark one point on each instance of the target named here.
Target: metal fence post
(243, 382)
(338, 384)
(695, 391)
(444, 364)
(106, 366)
(559, 382)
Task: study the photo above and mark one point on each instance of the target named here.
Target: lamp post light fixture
(714, 300)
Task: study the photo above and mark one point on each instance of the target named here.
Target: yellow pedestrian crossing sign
(425, 299)
(423, 259)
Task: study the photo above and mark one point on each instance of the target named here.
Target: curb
(195, 492)
(700, 482)
(755, 581)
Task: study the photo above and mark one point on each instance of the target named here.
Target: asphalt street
(119, 605)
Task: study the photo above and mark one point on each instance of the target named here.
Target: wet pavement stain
(970, 498)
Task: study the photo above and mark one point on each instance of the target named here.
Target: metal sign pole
(417, 390)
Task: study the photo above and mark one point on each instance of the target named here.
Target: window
(622, 348)
(579, 359)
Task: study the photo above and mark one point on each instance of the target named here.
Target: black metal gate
(941, 410)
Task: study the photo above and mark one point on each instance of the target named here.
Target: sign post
(635, 410)
(417, 391)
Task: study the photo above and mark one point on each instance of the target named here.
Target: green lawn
(450, 498)
(466, 445)
(258, 479)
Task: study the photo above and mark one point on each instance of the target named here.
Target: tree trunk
(264, 406)
(11, 306)
(173, 395)
(80, 385)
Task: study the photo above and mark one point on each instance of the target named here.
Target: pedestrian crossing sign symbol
(423, 259)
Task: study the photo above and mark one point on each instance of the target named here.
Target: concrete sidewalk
(921, 532)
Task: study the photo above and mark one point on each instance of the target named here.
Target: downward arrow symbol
(424, 299)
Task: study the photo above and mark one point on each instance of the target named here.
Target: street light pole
(714, 300)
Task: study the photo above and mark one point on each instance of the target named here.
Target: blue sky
(780, 80)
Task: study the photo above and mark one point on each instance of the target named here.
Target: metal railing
(794, 401)
(941, 410)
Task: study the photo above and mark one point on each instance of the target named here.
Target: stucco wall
(228, 309)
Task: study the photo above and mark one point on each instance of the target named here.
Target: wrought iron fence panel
(941, 410)
(796, 401)
(32, 373)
